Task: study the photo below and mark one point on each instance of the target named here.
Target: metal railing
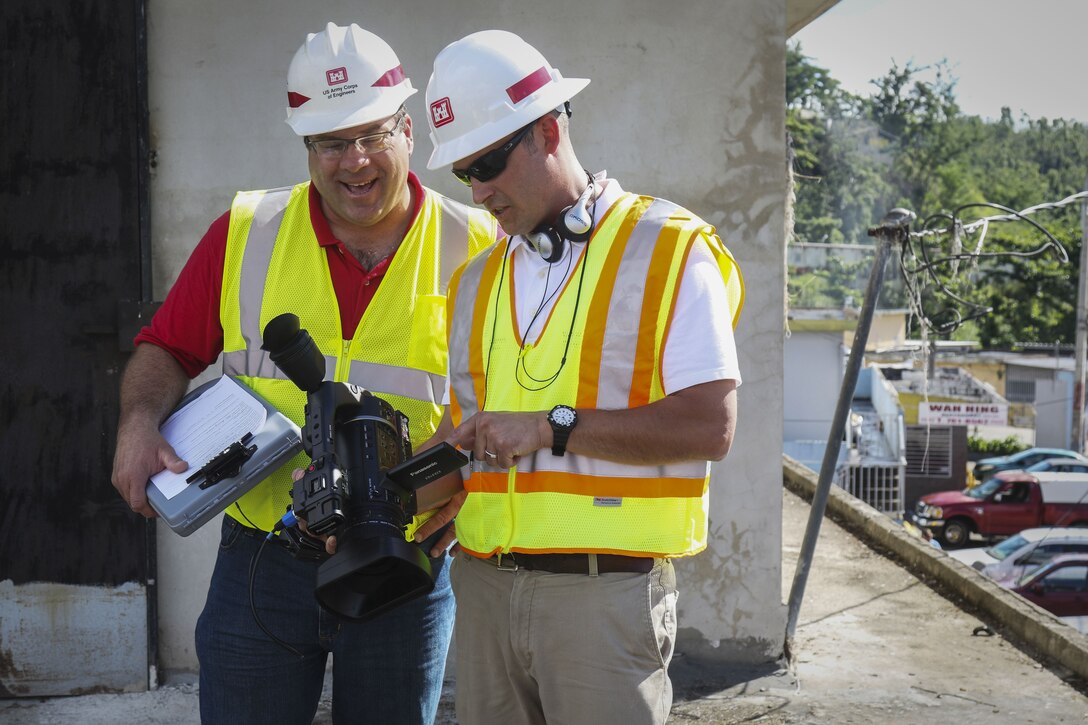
(879, 485)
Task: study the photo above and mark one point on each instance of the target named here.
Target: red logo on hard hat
(336, 76)
(294, 100)
(441, 112)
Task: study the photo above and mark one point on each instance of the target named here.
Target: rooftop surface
(874, 643)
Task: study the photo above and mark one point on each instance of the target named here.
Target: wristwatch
(562, 419)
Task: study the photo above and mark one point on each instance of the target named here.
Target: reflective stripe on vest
(634, 261)
(275, 264)
(466, 320)
(372, 376)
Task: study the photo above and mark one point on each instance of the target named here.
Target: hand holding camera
(362, 485)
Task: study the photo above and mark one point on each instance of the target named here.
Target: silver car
(979, 557)
(1034, 554)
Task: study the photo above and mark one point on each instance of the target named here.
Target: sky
(1029, 55)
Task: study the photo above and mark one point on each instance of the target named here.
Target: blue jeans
(388, 670)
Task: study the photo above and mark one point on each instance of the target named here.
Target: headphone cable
(519, 364)
(545, 298)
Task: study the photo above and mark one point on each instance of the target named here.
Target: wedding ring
(489, 454)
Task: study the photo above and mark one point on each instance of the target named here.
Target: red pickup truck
(1006, 504)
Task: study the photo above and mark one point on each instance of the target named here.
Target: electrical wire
(1012, 215)
(926, 266)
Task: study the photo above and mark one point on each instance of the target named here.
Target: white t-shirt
(700, 347)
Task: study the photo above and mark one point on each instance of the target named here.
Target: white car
(981, 557)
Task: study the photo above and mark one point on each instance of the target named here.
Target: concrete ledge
(1016, 618)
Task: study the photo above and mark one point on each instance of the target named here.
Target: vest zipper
(343, 362)
(511, 476)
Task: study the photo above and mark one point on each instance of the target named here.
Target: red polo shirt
(188, 325)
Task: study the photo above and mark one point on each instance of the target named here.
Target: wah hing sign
(963, 414)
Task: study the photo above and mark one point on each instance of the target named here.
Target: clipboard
(232, 439)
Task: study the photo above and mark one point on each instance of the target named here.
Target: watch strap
(559, 440)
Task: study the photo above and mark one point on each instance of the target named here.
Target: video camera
(363, 485)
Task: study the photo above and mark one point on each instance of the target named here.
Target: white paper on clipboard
(218, 417)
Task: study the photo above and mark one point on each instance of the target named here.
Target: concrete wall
(888, 330)
(886, 402)
(1054, 411)
(814, 255)
(812, 377)
(988, 372)
(685, 103)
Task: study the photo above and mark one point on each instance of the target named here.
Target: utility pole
(1081, 342)
(893, 229)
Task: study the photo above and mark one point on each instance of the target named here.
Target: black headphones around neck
(574, 224)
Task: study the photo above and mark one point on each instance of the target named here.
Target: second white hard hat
(343, 77)
(486, 86)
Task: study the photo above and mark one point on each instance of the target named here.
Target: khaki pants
(562, 649)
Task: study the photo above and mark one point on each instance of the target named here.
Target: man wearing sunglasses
(593, 375)
(360, 253)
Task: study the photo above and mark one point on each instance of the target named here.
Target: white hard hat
(343, 77)
(486, 86)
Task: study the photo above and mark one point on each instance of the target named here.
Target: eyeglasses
(373, 143)
(493, 163)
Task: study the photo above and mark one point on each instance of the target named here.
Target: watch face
(563, 416)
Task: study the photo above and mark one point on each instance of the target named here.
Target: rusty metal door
(74, 562)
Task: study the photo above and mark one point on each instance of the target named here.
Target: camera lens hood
(369, 575)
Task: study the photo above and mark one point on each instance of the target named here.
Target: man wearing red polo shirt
(360, 253)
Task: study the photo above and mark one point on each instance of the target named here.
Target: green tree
(908, 144)
(838, 174)
(922, 122)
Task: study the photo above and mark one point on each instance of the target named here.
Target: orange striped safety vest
(621, 297)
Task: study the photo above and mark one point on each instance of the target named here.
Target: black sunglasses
(493, 163)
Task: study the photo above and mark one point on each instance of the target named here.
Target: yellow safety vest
(621, 313)
(274, 264)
